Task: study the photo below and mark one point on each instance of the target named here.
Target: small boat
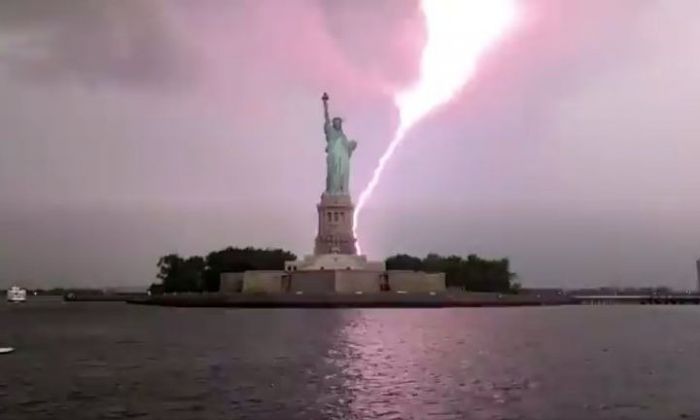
(5, 350)
(16, 294)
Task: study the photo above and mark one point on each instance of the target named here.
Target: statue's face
(337, 123)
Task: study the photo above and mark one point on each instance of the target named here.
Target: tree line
(471, 273)
(202, 274)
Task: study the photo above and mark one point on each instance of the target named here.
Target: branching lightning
(458, 32)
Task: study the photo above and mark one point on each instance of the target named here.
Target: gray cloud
(91, 42)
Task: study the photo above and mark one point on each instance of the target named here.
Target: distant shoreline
(449, 299)
(374, 300)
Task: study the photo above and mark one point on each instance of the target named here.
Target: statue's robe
(338, 152)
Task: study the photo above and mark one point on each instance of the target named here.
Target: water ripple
(124, 362)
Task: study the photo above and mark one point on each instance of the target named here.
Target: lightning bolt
(458, 33)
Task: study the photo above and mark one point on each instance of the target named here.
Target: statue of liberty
(338, 152)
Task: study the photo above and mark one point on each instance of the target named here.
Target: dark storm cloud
(92, 42)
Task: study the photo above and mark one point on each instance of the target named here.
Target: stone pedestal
(335, 214)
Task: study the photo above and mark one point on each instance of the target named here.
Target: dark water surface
(113, 360)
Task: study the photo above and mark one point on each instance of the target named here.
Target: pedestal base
(335, 215)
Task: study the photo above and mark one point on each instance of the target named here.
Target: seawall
(336, 300)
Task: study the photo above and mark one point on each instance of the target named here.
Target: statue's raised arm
(327, 119)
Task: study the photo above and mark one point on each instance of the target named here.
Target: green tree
(236, 260)
(179, 274)
(404, 262)
(472, 273)
(196, 274)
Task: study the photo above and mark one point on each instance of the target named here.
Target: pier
(672, 299)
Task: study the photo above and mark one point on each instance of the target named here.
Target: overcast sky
(132, 129)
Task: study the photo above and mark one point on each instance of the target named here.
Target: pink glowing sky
(132, 129)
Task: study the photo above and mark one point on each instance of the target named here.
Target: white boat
(16, 294)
